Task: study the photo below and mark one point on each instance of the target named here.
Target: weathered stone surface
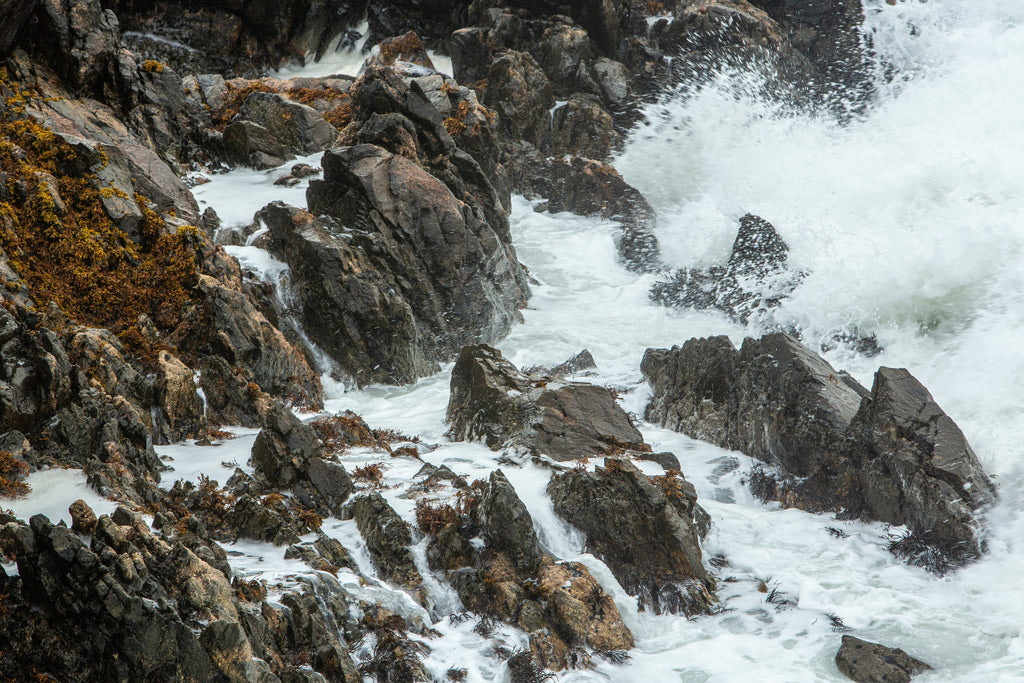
(866, 662)
(283, 448)
(298, 127)
(406, 49)
(491, 401)
(890, 454)
(506, 524)
(637, 531)
(83, 519)
(755, 279)
(250, 144)
(387, 539)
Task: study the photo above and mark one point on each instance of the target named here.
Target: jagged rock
(227, 327)
(35, 374)
(83, 519)
(325, 488)
(251, 519)
(890, 454)
(866, 662)
(283, 448)
(521, 94)
(755, 279)
(506, 524)
(491, 401)
(578, 608)
(387, 539)
(582, 362)
(352, 309)
(229, 650)
(16, 15)
(637, 531)
(441, 271)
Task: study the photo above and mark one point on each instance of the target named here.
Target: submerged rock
(491, 401)
(890, 454)
(866, 662)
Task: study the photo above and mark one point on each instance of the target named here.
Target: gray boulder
(387, 539)
(506, 524)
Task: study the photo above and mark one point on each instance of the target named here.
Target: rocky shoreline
(127, 324)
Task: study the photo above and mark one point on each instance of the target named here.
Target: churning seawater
(909, 222)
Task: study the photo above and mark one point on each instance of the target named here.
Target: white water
(909, 223)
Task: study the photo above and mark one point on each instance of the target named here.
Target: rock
(919, 470)
(35, 376)
(507, 526)
(251, 519)
(891, 455)
(283, 448)
(298, 127)
(755, 279)
(387, 540)
(83, 519)
(16, 15)
(637, 531)
(447, 265)
(227, 327)
(582, 127)
(235, 38)
(519, 91)
(326, 487)
(581, 363)
(177, 398)
(229, 650)
(491, 401)
(406, 48)
(250, 144)
(866, 662)
(579, 610)
(350, 306)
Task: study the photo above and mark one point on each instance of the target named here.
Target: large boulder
(387, 539)
(634, 527)
(890, 454)
(491, 401)
(866, 662)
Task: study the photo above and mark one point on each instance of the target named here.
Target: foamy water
(910, 225)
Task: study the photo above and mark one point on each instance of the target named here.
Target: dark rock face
(269, 129)
(16, 13)
(387, 539)
(233, 334)
(424, 263)
(491, 401)
(638, 532)
(506, 524)
(352, 309)
(152, 607)
(755, 279)
(890, 454)
(287, 454)
(234, 38)
(866, 662)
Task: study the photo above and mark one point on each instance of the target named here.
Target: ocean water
(909, 222)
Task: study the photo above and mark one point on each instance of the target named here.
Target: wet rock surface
(634, 527)
(866, 662)
(491, 401)
(890, 454)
